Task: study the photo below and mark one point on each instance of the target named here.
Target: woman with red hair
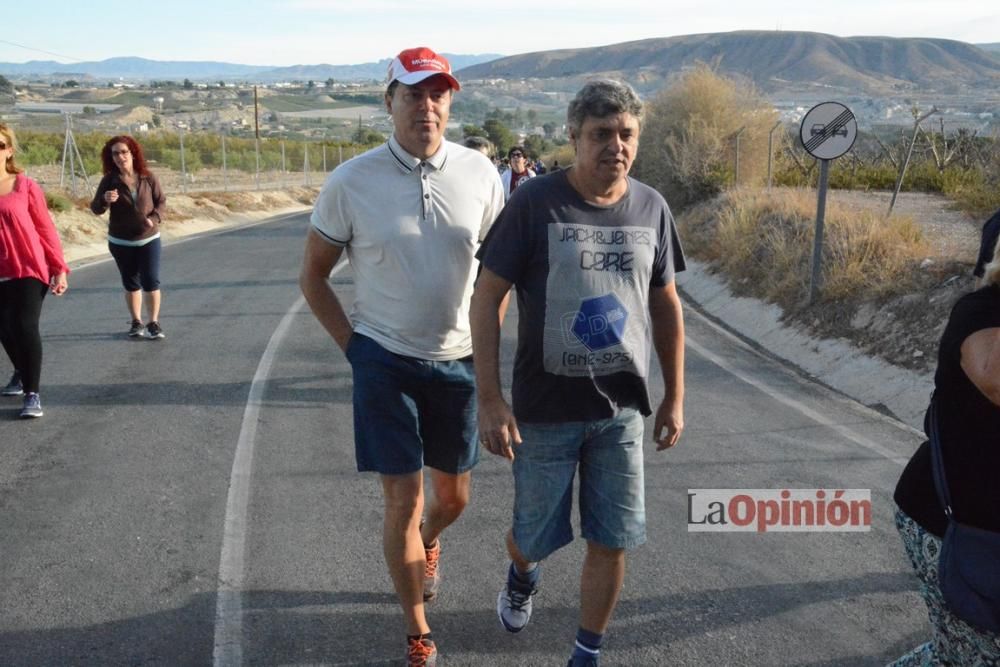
(137, 203)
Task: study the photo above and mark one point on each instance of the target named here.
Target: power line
(50, 53)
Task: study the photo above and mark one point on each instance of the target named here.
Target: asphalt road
(194, 501)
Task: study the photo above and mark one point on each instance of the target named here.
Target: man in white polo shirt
(410, 215)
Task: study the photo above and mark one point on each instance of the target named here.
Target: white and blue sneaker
(32, 406)
(514, 602)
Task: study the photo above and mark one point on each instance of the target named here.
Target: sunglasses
(517, 154)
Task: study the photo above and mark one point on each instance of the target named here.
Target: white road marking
(795, 404)
(228, 650)
(87, 262)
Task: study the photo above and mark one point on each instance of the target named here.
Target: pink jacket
(29, 243)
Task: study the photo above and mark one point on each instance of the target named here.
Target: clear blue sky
(343, 32)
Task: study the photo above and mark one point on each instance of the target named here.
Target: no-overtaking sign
(828, 130)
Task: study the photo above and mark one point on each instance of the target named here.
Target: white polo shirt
(411, 228)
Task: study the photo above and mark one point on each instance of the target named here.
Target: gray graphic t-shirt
(582, 274)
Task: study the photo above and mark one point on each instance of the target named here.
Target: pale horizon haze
(339, 32)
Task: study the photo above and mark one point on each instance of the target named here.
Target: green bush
(57, 203)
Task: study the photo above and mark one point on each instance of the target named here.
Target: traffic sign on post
(828, 130)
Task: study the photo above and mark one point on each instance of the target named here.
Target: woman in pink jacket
(31, 264)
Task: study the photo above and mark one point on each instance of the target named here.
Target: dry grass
(763, 242)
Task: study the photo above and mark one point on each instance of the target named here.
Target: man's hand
(497, 428)
(669, 424)
(319, 259)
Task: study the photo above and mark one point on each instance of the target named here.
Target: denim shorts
(410, 412)
(608, 453)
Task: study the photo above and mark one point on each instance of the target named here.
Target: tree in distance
(367, 136)
(499, 135)
(473, 131)
(689, 138)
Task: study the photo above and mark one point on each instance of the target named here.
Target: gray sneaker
(32, 406)
(514, 605)
(13, 387)
(137, 329)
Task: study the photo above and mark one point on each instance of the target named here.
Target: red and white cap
(414, 65)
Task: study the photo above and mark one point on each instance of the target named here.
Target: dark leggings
(20, 310)
(139, 266)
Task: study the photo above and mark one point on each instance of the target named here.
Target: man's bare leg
(403, 547)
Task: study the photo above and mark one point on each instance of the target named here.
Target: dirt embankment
(84, 235)
(904, 325)
(905, 328)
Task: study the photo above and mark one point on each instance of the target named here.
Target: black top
(991, 232)
(969, 426)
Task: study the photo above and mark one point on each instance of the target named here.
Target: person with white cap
(410, 215)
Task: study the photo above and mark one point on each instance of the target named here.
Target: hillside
(876, 65)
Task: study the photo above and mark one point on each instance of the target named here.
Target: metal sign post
(827, 132)
(816, 279)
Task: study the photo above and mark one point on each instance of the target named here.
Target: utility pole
(256, 137)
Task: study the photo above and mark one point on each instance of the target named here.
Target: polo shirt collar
(408, 162)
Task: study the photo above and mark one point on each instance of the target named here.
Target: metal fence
(186, 161)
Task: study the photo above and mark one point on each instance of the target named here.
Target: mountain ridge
(773, 60)
(871, 64)
(136, 68)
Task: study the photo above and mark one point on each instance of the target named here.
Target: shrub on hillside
(57, 203)
(762, 241)
(688, 143)
(844, 175)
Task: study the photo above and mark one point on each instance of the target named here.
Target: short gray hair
(481, 144)
(602, 98)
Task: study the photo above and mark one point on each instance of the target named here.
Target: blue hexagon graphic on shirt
(600, 323)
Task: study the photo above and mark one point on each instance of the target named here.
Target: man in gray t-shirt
(592, 254)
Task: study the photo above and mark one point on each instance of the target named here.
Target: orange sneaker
(432, 575)
(420, 652)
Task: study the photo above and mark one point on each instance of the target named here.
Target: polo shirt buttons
(427, 196)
